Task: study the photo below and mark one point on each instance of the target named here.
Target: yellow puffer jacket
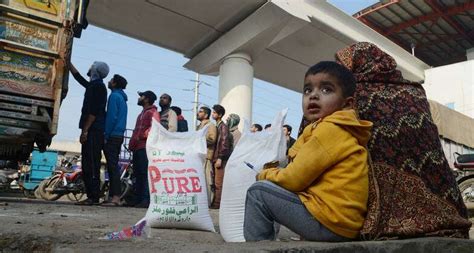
(329, 171)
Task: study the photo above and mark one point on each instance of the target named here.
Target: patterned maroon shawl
(412, 191)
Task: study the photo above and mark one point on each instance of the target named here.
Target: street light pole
(196, 100)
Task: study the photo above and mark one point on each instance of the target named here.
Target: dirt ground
(36, 225)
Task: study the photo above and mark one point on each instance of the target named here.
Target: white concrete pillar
(236, 85)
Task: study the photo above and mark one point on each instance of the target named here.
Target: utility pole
(196, 100)
(197, 83)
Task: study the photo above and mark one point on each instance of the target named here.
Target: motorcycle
(68, 180)
(464, 172)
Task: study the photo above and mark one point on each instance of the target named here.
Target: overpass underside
(275, 41)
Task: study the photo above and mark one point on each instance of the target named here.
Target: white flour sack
(178, 197)
(253, 149)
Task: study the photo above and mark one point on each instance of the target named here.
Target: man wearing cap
(168, 117)
(138, 144)
(92, 125)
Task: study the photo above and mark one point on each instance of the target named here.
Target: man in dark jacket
(221, 154)
(138, 146)
(115, 124)
(92, 124)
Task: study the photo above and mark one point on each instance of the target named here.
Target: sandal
(113, 204)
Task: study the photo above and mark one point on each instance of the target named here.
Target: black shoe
(126, 204)
(88, 202)
(142, 205)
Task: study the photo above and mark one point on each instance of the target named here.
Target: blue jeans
(268, 203)
(140, 170)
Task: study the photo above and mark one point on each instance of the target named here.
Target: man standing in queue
(138, 146)
(92, 124)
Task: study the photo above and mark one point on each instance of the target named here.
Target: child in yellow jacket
(322, 194)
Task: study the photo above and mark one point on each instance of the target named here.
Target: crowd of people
(367, 162)
(103, 124)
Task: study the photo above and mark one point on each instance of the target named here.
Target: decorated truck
(35, 39)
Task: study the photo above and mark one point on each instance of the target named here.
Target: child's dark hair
(345, 76)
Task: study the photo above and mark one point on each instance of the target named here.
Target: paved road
(61, 226)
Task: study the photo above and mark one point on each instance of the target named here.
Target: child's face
(322, 95)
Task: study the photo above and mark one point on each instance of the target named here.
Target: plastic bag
(178, 193)
(139, 230)
(247, 159)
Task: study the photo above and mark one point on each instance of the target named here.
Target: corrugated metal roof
(440, 30)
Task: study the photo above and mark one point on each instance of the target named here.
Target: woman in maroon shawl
(412, 190)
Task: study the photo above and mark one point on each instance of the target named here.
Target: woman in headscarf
(233, 122)
(412, 191)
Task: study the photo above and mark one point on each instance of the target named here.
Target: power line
(273, 106)
(212, 82)
(208, 82)
(274, 93)
(206, 96)
(139, 70)
(270, 102)
(260, 100)
(131, 57)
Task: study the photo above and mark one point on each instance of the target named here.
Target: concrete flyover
(275, 41)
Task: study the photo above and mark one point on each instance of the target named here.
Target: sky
(149, 67)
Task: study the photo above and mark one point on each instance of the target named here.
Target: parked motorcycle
(464, 172)
(67, 180)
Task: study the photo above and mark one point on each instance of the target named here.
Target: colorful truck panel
(35, 39)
